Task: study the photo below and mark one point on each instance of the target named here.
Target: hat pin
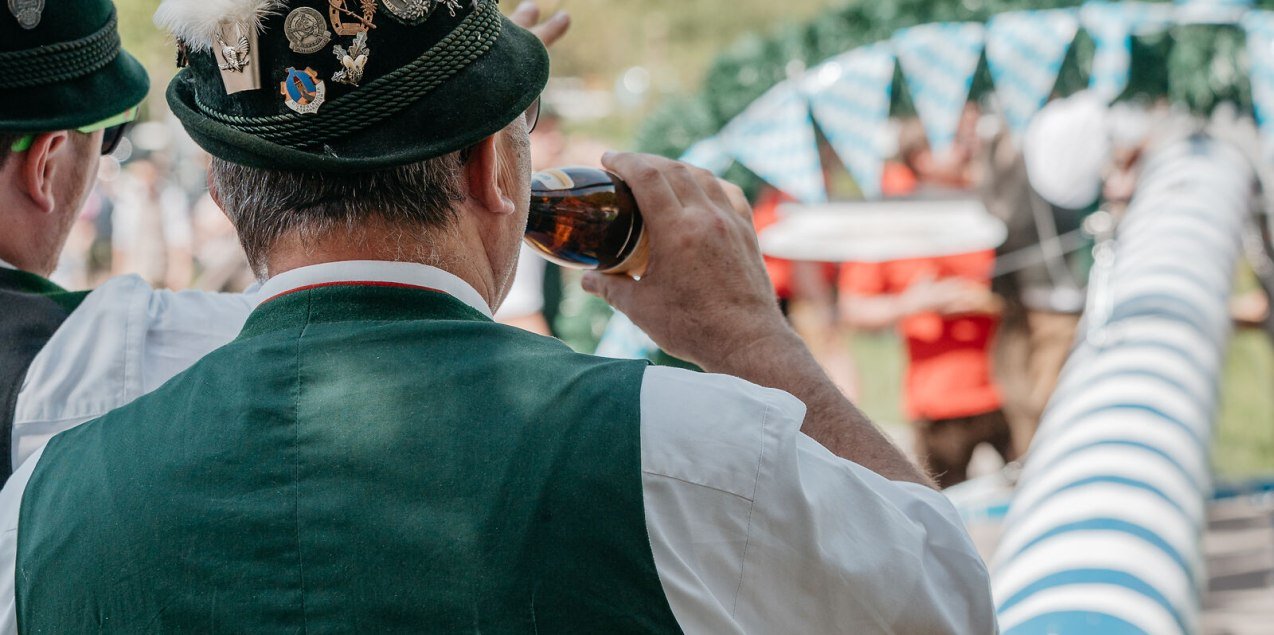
(27, 12)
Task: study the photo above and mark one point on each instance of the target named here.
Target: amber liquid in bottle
(586, 218)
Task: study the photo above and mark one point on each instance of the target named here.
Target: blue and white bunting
(1260, 44)
(1110, 26)
(774, 138)
(938, 61)
(1025, 51)
(850, 97)
(709, 155)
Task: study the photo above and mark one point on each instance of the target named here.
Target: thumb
(617, 291)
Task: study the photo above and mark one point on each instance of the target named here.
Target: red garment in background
(949, 369)
(897, 180)
(782, 274)
(764, 214)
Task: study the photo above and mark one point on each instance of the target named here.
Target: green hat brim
(477, 102)
(100, 95)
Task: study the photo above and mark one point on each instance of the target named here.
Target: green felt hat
(61, 66)
(431, 85)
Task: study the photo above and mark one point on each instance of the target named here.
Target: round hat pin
(303, 91)
(306, 30)
(27, 12)
(410, 12)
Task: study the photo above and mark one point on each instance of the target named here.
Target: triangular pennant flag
(774, 138)
(938, 61)
(1260, 42)
(850, 96)
(1025, 51)
(1110, 26)
(709, 155)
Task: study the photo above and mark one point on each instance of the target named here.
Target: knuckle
(704, 176)
(719, 225)
(645, 172)
(686, 241)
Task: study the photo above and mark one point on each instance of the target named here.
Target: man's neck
(14, 259)
(445, 250)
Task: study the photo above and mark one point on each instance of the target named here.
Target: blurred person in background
(951, 173)
(1043, 188)
(945, 311)
(947, 316)
(151, 228)
(221, 264)
(67, 92)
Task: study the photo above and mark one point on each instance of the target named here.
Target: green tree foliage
(1199, 66)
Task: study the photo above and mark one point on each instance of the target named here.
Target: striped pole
(1103, 534)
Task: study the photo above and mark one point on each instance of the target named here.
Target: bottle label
(554, 180)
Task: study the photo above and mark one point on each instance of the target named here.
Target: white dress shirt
(123, 341)
(754, 527)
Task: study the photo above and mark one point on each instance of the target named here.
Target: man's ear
(482, 178)
(38, 168)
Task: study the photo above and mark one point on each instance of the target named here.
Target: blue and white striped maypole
(1104, 532)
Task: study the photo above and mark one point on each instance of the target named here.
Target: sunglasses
(113, 132)
(533, 116)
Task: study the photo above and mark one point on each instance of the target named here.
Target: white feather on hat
(198, 22)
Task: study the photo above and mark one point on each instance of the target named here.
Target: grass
(1243, 442)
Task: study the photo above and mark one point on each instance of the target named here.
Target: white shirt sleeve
(10, 508)
(125, 340)
(756, 528)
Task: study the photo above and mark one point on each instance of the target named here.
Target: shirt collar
(5, 265)
(355, 272)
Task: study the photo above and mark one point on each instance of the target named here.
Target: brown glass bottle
(586, 218)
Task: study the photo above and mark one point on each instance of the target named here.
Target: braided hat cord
(61, 62)
(382, 98)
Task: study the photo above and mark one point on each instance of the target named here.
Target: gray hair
(266, 205)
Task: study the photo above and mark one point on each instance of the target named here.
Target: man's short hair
(265, 205)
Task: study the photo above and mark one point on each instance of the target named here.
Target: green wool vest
(360, 459)
(34, 309)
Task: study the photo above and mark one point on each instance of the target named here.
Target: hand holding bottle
(706, 297)
(705, 292)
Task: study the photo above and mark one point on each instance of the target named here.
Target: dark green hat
(439, 76)
(61, 66)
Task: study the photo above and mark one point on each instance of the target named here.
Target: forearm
(781, 360)
(704, 254)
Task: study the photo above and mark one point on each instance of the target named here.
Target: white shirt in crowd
(754, 527)
(526, 296)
